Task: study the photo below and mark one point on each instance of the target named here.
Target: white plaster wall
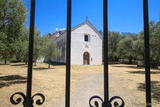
(78, 46)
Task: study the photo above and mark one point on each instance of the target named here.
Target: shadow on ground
(42, 68)
(129, 66)
(6, 81)
(133, 66)
(17, 64)
(143, 72)
(155, 89)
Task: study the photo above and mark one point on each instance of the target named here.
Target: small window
(86, 38)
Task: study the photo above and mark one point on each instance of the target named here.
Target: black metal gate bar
(105, 51)
(30, 55)
(147, 54)
(28, 98)
(68, 53)
(106, 102)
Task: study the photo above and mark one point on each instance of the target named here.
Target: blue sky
(124, 15)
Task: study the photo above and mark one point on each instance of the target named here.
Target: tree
(2, 43)
(22, 46)
(38, 45)
(125, 48)
(23, 43)
(114, 38)
(154, 43)
(12, 20)
(138, 46)
(50, 50)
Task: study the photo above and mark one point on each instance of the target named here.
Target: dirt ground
(126, 81)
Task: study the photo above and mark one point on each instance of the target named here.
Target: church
(86, 45)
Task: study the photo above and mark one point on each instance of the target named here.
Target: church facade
(86, 45)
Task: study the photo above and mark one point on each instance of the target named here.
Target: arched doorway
(86, 58)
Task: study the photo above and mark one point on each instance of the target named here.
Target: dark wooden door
(86, 58)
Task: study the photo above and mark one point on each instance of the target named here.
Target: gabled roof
(53, 37)
(86, 22)
(89, 24)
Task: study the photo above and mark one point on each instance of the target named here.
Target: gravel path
(89, 85)
(92, 84)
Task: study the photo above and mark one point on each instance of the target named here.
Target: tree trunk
(49, 63)
(116, 59)
(130, 60)
(26, 62)
(5, 61)
(35, 63)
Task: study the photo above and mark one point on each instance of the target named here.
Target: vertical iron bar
(147, 54)
(105, 51)
(29, 102)
(68, 53)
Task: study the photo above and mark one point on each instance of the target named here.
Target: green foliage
(138, 47)
(132, 47)
(113, 40)
(38, 42)
(2, 43)
(154, 42)
(50, 50)
(125, 48)
(22, 46)
(12, 20)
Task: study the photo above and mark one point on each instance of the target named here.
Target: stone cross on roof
(86, 18)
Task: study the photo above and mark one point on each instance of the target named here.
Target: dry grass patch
(126, 81)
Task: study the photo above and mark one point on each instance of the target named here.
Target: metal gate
(28, 99)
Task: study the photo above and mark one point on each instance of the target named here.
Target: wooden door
(86, 58)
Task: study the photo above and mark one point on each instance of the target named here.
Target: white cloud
(57, 29)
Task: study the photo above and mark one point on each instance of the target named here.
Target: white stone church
(86, 45)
